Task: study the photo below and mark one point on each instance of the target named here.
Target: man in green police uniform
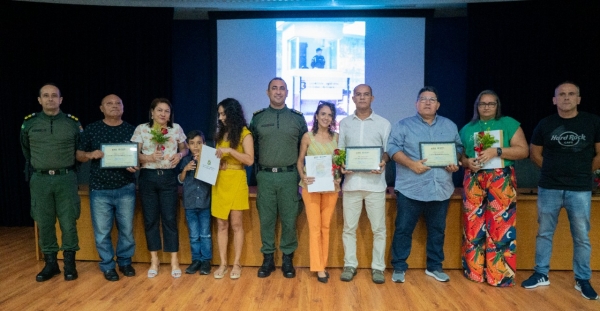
(48, 141)
(277, 132)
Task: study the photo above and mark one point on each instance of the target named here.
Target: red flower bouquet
(339, 159)
(483, 140)
(159, 137)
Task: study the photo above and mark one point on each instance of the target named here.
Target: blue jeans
(408, 213)
(198, 221)
(577, 204)
(158, 192)
(108, 206)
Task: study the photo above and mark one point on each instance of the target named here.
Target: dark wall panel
(192, 76)
(89, 52)
(523, 50)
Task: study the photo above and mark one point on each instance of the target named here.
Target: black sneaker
(111, 275)
(194, 267)
(535, 280)
(127, 270)
(205, 267)
(586, 289)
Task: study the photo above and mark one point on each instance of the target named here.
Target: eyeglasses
(488, 105)
(427, 99)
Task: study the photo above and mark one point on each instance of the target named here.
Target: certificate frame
(363, 158)
(438, 154)
(119, 155)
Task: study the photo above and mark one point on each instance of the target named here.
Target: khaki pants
(375, 206)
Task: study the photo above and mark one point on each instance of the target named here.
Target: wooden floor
(20, 291)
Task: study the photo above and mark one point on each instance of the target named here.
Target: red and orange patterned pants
(489, 219)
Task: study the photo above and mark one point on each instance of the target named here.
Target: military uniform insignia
(26, 118)
(259, 111)
(296, 111)
(76, 119)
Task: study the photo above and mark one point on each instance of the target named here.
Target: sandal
(176, 273)
(153, 272)
(220, 273)
(236, 272)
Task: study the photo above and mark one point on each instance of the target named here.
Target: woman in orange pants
(322, 140)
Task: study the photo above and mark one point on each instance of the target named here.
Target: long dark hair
(476, 106)
(153, 105)
(234, 117)
(332, 125)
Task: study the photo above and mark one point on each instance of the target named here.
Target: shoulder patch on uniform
(296, 111)
(72, 117)
(29, 116)
(259, 111)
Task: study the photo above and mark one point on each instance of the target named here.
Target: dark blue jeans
(408, 213)
(158, 192)
(198, 221)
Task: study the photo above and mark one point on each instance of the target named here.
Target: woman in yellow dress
(235, 148)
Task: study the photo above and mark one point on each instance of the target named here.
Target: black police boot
(267, 267)
(288, 267)
(50, 269)
(69, 265)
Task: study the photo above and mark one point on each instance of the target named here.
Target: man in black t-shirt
(112, 190)
(567, 148)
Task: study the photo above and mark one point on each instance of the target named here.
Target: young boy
(196, 202)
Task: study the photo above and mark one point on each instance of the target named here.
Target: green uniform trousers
(52, 197)
(278, 194)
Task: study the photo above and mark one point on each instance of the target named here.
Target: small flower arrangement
(484, 140)
(159, 136)
(339, 159)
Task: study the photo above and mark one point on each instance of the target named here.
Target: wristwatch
(499, 151)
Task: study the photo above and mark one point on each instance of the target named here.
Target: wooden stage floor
(20, 291)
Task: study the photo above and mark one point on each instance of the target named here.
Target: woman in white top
(162, 144)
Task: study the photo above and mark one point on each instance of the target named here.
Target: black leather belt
(290, 168)
(60, 171)
(158, 171)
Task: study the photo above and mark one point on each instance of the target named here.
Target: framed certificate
(438, 154)
(119, 155)
(363, 158)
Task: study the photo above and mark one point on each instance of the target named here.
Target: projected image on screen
(321, 61)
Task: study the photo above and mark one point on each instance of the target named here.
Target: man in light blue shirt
(421, 189)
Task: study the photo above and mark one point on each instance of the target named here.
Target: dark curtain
(89, 52)
(523, 50)
(193, 78)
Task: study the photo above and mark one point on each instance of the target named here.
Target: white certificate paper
(495, 162)
(207, 167)
(320, 167)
